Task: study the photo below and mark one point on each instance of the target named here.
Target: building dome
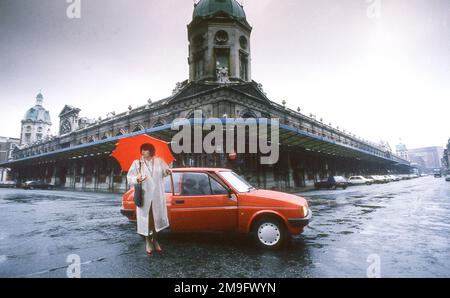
(37, 113)
(401, 147)
(206, 8)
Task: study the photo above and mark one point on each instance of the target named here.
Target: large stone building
(402, 151)
(36, 123)
(220, 85)
(429, 157)
(446, 158)
(7, 145)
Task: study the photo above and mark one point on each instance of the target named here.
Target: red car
(210, 199)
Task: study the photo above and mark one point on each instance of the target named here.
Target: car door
(201, 203)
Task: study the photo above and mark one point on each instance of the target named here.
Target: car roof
(199, 169)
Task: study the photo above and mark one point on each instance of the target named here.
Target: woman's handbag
(138, 193)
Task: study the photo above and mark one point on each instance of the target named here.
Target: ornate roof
(37, 113)
(206, 8)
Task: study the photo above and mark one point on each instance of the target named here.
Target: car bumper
(300, 222)
(127, 213)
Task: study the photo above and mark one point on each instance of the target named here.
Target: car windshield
(236, 181)
(339, 179)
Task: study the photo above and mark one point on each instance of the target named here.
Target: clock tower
(219, 42)
(68, 120)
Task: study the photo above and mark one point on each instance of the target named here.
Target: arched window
(248, 114)
(138, 128)
(158, 123)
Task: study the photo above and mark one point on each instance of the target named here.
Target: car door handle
(179, 201)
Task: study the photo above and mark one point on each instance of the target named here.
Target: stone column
(53, 181)
(290, 182)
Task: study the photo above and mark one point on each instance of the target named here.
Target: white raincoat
(153, 193)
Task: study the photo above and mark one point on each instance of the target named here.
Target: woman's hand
(141, 178)
(167, 172)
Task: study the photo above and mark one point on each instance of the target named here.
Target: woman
(152, 215)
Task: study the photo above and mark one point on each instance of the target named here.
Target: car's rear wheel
(270, 233)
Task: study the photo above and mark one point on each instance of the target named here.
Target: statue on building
(178, 87)
(222, 74)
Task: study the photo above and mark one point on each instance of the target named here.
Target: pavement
(400, 229)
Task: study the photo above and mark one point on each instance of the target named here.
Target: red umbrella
(128, 149)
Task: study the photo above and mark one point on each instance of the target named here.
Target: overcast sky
(381, 78)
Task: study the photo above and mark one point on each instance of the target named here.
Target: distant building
(430, 157)
(402, 151)
(446, 158)
(7, 145)
(36, 123)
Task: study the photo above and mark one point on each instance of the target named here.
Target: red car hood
(271, 198)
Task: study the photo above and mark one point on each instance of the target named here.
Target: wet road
(402, 227)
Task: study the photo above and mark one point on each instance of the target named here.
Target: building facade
(402, 151)
(446, 157)
(7, 145)
(429, 157)
(36, 124)
(220, 86)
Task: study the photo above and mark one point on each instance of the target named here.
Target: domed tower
(36, 124)
(219, 42)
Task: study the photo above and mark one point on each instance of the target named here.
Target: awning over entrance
(298, 138)
(98, 148)
(288, 136)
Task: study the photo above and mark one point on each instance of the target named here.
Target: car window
(236, 181)
(167, 184)
(195, 184)
(176, 183)
(217, 188)
(339, 179)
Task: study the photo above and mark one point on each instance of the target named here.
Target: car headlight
(305, 211)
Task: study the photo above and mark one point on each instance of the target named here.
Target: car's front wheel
(270, 233)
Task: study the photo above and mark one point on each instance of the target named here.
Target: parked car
(333, 182)
(404, 177)
(8, 184)
(386, 178)
(210, 199)
(395, 177)
(447, 177)
(359, 180)
(37, 185)
(377, 179)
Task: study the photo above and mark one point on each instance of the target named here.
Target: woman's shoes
(147, 245)
(157, 246)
